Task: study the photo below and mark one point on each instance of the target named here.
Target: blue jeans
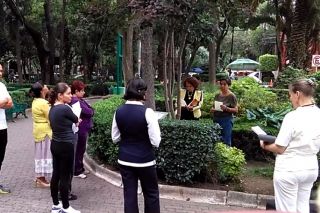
(226, 124)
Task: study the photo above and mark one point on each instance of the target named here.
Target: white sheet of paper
(258, 130)
(217, 105)
(76, 108)
(183, 103)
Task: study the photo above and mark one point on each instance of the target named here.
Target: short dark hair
(305, 86)
(135, 90)
(193, 81)
(227, 80)
(35, 90)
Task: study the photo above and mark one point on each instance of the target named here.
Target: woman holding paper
(77, 90)
(225, 106)
(296, 146)
(191, 99)
(42, 134)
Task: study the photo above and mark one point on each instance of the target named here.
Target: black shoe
(71, 196)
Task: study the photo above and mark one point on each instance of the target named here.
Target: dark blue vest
(135, 146)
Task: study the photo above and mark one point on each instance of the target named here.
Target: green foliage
(100, 141)
(186, 149)
(316, 76)
(249, 95)
(207, 104)
(288, 76)
(209, 91)
(230, 162)
(268, 63)
(201, 58)
(268, 116)
(21, 96)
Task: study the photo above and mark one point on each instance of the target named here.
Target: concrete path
(94, 194)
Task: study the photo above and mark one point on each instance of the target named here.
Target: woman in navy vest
(136, 129)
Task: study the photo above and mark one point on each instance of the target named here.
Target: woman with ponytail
(42, 134)
(62, 146)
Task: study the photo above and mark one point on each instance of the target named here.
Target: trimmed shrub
(288, 76)
(268, 62)
(21, 96)
(186, 149)
(229, 162)
(100, 141)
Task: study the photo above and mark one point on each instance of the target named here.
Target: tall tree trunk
(193, 55)
(171, 74)
(67, 52)
(212, 62)
(163, 38)
(278, 43)
(61, 55)
(128, 53)
(165, 75)
(297, 43)
(18, 51)
(51, 40)
(37, 38)
(147, 65)
(181, 49)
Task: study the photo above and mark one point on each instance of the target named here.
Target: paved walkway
(94, 194)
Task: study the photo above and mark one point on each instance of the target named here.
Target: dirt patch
(257, 179)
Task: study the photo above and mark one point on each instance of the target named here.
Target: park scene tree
(107, 42)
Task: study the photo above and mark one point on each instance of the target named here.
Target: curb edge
(208, 196)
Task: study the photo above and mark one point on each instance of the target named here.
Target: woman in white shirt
(296, 146)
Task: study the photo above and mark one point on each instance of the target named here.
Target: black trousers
(149, 184)
(63, 158)
(3, 144)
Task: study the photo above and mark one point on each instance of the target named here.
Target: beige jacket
(198, 95)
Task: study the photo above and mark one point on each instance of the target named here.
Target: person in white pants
(296, 146)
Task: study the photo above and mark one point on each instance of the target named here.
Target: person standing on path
(5, 103)
(296, 146)
(136, 129)
(191, 99)
(77, 90)
(42, 134)
(61, 118)
(228, 107)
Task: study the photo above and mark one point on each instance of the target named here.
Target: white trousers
(292, 190)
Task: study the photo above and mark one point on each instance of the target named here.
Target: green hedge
(268, 63)
(186, 149)
(100, 141)
(21, 96)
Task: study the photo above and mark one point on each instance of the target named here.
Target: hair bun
(311, 82)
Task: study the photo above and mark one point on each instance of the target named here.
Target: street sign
(316, 60)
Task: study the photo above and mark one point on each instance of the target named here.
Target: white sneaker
(56, 208)
(69, 210)
(82, 176)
